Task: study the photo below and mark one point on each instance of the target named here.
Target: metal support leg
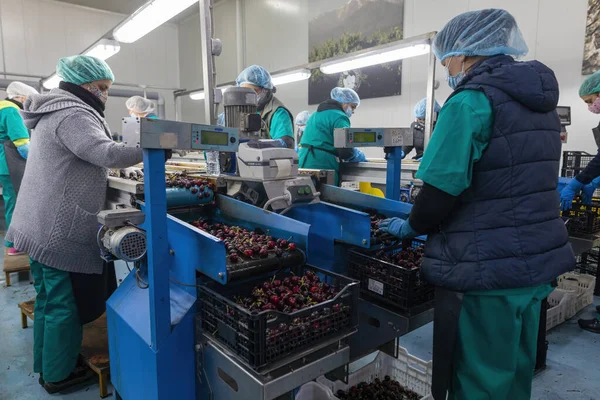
(394, 170)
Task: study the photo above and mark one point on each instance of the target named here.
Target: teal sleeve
(342, 122)
(13, 124)
(281, 125)
(462, 133)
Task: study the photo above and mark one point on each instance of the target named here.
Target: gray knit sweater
(65, 181)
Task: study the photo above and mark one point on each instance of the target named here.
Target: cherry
(194, 190)
(291, 246)
(248, 253)
(233, 258)
(263, 253)
(274, 299)
(271, 244)
(276, 283)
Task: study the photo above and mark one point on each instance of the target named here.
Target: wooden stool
(14, 264)
(94, 351)
(26, 311)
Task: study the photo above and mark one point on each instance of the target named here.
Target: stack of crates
(574, 162)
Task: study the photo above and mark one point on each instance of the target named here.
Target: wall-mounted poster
(591, 50)
(356, 25)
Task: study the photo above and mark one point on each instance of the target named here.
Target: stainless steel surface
(208, 60)
(376, 172)
(125, 185)
(430, 97)
(585, 243)
(230, 380)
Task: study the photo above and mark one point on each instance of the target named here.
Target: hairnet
(591, 85)
(255, 75)
(480, 33)
(83, 69)
(345, 95)
(19, 89)
(302, 117)
(421, 107)
(140, 105)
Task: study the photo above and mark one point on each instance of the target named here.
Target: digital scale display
(364, 137)
(214, 138)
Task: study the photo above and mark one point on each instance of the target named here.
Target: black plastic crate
(587, 263)
(583, 218)
(576, 159)
(401, 288)
(262, 338)
(570, 172)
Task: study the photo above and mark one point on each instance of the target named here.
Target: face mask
(98, 93)
(595, 106)
(453, 81)
(349, 112)
(263, 98)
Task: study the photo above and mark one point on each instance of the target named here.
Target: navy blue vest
(505, 231)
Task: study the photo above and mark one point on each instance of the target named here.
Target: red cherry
(291, 246)
(274, 299)
(233, 258)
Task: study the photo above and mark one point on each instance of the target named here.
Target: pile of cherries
(386, 389)
(290, 294)
(376, 218)
(244, 245)
(408, 258)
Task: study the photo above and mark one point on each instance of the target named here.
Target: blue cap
(83, 69)
(487, 32)
(255, 75)
(421, 107)
(345, 95)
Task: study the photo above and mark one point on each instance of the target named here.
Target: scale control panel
(162, 134)
(300, 193)
(345, 138)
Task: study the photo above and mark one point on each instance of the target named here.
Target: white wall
(39, 32)
(276, 37)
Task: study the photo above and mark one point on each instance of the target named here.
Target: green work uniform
(316, 150)
(13, 129)
(281, 125)
(57, 331)
(497, 329)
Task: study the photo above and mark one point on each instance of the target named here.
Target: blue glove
(357, 156)
(397, 227)
(23, 150)
(418, 159)
(282, 143)
(568, 194)
(588, 191)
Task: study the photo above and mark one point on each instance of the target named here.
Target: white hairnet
(140, 105)
(19, 89)
(302, 117)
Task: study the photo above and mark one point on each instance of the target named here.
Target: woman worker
(277, 120)
(55, 220)
(141, 107)
(316, 149)
(418, 129)
(495, 237)
(301, 120)
(15, 139)
(589, 179)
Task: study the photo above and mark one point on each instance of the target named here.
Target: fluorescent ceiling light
(199, 95)
(51, 82)
(149, 17)
(103, 49)
(375, 57)
(289, 77)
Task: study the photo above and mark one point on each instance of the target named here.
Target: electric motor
(127, 243)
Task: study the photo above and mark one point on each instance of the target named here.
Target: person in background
(141, 107)
(316, 149)
(301, 120)
(489, 206)
(586, 182)
(55, 219)
(14, 131)
(418, 129)
(277, 120)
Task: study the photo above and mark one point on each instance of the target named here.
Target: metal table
(581, 244)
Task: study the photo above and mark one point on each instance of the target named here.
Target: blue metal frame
(394, 173)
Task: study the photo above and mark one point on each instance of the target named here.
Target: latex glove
(588, 191)
(397, 227)
(357, 156)
(283, 144)
(23, 150)
(131, 172)
(418, 159)
(568, 194)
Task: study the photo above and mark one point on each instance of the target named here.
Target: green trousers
(57, 333)
(10, 200)
(497, 344)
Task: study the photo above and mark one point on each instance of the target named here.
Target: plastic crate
(400, 288)
(411, 372)
(583, 285)
(249, 334)
(559, 303)
(583, 218)
(576, 159)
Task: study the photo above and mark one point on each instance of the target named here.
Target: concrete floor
(573, 371)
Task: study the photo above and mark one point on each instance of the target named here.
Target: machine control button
(379, 137)
(232, 140)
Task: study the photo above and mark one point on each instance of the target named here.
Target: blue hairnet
(302, 117)
(255, 75)
(480, 33)
(345, 95)
(421, 107)
(83, 69)
(591, 85)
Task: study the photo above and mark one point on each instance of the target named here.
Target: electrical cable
(285, 197)
(183, 284)
(138, 279)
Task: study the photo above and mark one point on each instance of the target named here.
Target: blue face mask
(454, 81)
(349, 112)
